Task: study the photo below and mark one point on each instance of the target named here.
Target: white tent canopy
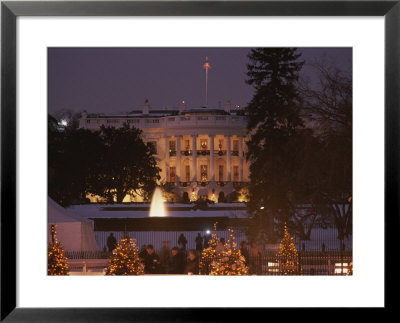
(74, 233)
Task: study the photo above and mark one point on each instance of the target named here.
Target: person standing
(206, 238)
(111, 242)
(177, 262)
(182, 241)
(199, 243)
(244, 252)
(254, 260)
(164, 255)
(220, 246)
(192, 263)
(151, 261)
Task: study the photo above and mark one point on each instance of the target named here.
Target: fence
(307, 263)
(320, 239)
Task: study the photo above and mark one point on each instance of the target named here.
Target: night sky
(114, 80)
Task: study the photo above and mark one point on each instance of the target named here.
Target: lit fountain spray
(157, 207)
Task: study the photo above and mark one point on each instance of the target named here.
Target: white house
(196, 149)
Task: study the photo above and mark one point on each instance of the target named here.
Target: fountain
(157, 207)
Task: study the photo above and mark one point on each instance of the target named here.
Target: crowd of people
(178, 260)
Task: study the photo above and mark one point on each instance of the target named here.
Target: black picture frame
(10, 10)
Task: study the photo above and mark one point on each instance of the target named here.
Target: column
(211, 158)
(178, 159)
(167, 158)
(194, 158)
(228, 158)
(241, 158)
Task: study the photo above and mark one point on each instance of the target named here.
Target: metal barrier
(306, 264)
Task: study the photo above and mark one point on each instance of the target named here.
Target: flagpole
(206, 66)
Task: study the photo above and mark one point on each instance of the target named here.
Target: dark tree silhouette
(329, 110)
(110, 163)
(275, 128)
(73, 154)
(127, 165)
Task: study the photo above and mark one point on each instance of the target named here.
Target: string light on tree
(125, 259)
(208, 254)
(287, 255)
(229, 262)
(56, 261)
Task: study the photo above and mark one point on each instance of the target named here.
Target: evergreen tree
(125, 259)
(287, 255)
(230, 262)
(275, 129)
(209, 254)
(56, 261)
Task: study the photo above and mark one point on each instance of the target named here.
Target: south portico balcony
(203, 152)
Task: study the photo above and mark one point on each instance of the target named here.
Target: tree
(274, 125)
(230, 262)
(287, 255)
(127, 165)
(73, 156)
(209, 254)
(56, 261)
(125, 260)
(328, 106)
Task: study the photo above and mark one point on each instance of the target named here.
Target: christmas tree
(230, 261)
(287, 255)
(208, 254)
(125, 259)
(350, 271)
(56, 261)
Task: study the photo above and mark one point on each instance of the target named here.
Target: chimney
(84, 114)
(145, 108)
(227, 106)
(182, 107)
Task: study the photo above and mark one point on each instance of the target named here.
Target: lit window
(172, 174)
(236, 173)
(273, 267)
(203, 144)
(341, 268)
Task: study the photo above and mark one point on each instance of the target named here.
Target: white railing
(167, 122)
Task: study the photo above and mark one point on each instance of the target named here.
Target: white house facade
(201, 151)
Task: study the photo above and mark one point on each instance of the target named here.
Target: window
(87, 121)
(172, 174)
(341, 268)
(220, 143)
(273, 267)
(221, 173)
(172, 145)
(203, 144)
(203, 173)
(236, 173)
(112, 121)
(187, 144)
(153, 147)
(187, 173)
(236, 145)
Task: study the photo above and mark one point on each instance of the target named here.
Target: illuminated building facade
(201, 151)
